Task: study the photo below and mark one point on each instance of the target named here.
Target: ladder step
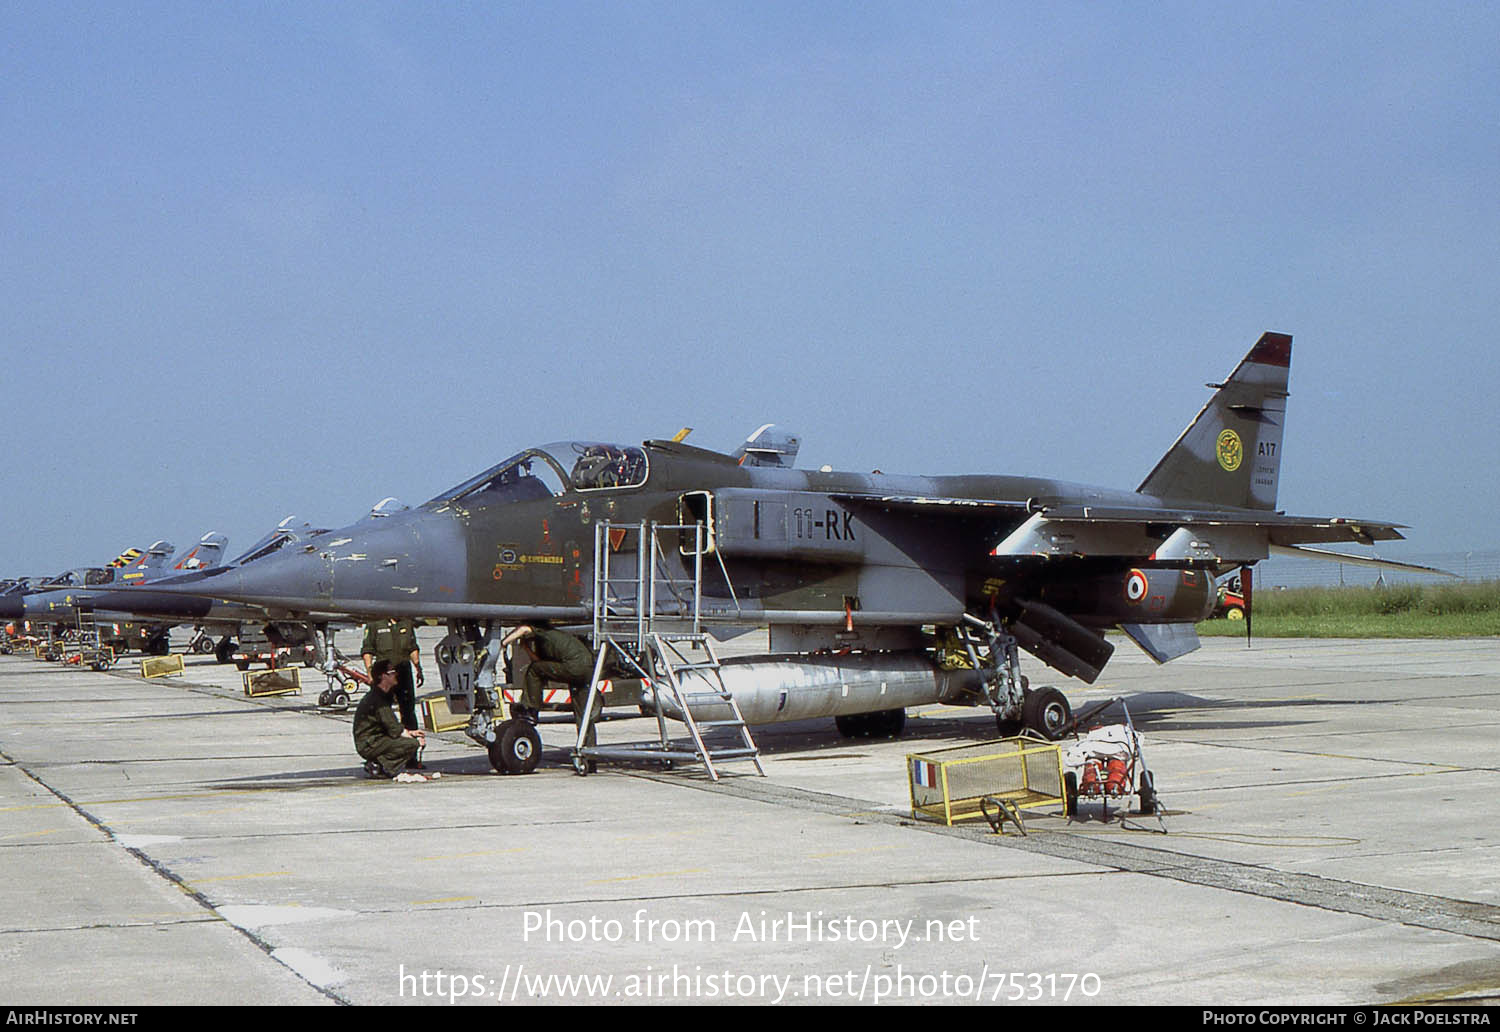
(731, 754)
(721, 723)
(701, 696)
(695, 666)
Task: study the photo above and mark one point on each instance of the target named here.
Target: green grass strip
(1464, 610)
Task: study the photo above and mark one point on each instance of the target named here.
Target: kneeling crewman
(386, 747)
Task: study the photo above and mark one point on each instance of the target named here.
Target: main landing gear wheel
(1046, 711)
(881, 724)
(517, 748)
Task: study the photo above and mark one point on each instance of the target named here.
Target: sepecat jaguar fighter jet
(879, 591)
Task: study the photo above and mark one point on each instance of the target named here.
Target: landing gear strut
(1018, 707)
(466, 659)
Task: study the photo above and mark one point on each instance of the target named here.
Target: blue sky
(267, 258)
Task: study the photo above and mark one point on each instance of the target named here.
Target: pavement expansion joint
(113, 925)
(211, 913)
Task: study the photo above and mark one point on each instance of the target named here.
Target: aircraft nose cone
(11, 607)
(277, 580)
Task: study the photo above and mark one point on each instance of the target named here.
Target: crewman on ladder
(556, 656)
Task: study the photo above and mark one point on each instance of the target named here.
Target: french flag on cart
(924, 773)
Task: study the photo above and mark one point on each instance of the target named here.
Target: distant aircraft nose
(11, 607)
(284, 579)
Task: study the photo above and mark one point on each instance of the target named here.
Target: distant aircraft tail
(126, 557)
(1230, 455)
(209, 551)
(152, 564)
(768, 446)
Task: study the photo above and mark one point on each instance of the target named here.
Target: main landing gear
(1044, 711)
(881, 724)
(1018, 707)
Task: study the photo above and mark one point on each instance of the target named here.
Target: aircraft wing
(1172, 536)
(929, 503)
(1162, 534)
(1326, 555)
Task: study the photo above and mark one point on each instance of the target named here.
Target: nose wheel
(517, 748)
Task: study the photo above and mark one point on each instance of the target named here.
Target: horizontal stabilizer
(1328, 556)
(1163, 642)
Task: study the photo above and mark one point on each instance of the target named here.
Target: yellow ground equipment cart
(993, 780)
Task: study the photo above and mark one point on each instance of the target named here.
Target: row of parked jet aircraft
(880, 592)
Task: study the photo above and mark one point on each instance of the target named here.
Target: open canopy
(551, 470)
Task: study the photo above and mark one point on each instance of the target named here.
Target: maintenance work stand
(650, 623)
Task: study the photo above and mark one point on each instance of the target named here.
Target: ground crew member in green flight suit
(386, 747)
(557, 656)
(396, 640)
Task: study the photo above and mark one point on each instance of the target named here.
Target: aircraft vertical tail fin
(126, 557)
(157, 556)
(1230, 455)
(209, 551)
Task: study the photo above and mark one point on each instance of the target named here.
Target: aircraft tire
(888, 723)
(517, 748)
(853, 725)
(1008, 728)
(1070, 794)
(1045, 711)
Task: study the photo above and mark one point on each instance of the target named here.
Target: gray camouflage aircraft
(880, 591)
(131, 613)
(57, 602)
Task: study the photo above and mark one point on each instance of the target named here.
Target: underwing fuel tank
(771, 690)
